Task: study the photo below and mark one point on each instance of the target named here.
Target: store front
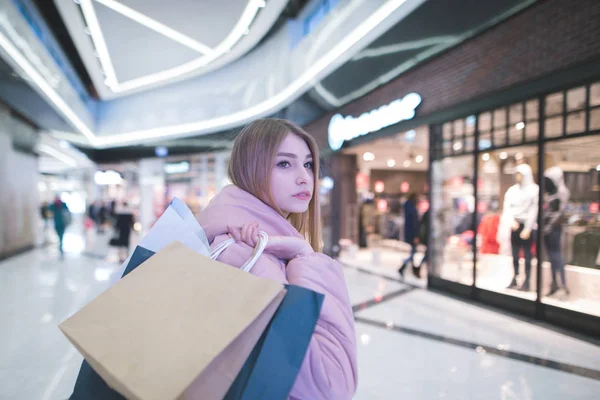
(533, 248)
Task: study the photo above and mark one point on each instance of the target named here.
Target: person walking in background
(62, 219)
(124, 220)
(423, 239)
(411, 230)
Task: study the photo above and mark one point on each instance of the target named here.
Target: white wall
(19, 199)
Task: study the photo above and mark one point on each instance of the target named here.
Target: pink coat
(329, 369)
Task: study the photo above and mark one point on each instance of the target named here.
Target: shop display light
(391, 163)
(406, 164)
(368, 156)
(485, 157)
(503, 155)
(520, 126)
(419, 159)
(457, 146)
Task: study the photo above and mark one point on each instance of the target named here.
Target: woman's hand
(246, 234)
(281, 247)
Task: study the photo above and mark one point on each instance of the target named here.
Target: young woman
(274, 169)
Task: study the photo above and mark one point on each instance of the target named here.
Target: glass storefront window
(595, 94)
(571, 229)
(500, 137)
(576, 99)
(576, 122)
(532, 131)
(554, 104)
(532, 110)
(500, 118)
(485, 122)
(554, 127)
(595, 119)
(452, 215)
(504, 250)
(516, 114)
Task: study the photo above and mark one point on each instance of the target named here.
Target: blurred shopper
(423, 239)
(274, 167)
(102, 217)
(411, 231)
(124, 221)
(62, 219)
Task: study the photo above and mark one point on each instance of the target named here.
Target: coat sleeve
(329, 370)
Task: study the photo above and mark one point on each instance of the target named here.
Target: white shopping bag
(176, 224)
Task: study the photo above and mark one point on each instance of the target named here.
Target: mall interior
(462, 134)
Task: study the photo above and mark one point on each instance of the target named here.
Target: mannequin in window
(556, 196)
(521, 206)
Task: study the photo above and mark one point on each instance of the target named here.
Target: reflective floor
(413, 344)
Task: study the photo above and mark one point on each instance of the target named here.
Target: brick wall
(549, 36)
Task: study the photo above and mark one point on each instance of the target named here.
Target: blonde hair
(251, 163)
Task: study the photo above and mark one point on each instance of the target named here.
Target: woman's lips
(302, 196)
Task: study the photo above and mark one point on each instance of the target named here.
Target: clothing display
(586, 247)
(521, 199)
(556, 197)
(488, 230)
(517, 244)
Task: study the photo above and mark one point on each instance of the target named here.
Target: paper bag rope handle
(263, 239)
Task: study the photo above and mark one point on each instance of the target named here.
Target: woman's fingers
(235, 233)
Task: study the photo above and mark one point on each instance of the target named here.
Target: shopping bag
(180, 323)
(177, 223)
(271, 369)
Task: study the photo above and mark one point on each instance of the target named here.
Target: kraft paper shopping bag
(179, 322)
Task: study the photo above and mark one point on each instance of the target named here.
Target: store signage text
(348, 128)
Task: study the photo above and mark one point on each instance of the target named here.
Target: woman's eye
(284, 164)
(309, 165)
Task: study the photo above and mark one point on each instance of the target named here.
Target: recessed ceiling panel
(136, 50)
(207, 21)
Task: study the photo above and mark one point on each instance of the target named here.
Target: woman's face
(292, 176)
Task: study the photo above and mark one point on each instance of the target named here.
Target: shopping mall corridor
(412, 343)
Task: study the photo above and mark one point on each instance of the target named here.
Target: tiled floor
(413, 344)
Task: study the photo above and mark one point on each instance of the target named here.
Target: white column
(152, 191)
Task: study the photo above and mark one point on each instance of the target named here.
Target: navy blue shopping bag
(273, 365)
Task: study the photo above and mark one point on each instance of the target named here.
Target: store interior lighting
(520, 126)
(503, 155)
(368, 156)
(391, 163)
(485, 157)
(406, 164)
(519, 156)
(457, 146)
(419, 159)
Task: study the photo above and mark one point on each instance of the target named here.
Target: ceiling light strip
(216, 123)
(44, 86)
(156, 26)
(99, 43)
(234, 36)
(272, 103)
(44, 148)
